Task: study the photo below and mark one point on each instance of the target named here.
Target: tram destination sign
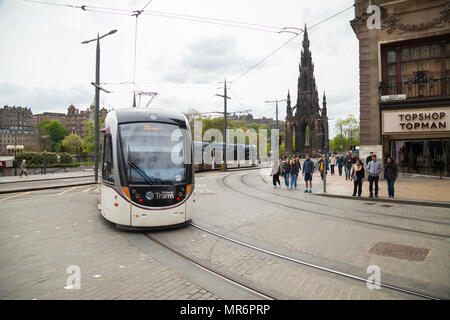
(416, 120)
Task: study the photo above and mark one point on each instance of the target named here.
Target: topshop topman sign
(416, 120)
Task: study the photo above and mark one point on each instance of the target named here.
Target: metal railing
(417, 88)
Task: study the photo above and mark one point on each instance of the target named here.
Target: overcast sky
(44, 66)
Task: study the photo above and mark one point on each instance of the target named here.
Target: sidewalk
(418, 188)
(49, 176)
(45, 181)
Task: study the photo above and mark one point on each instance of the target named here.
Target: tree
(73, 143)
(350, 133)
(55, 130)
(89, 140)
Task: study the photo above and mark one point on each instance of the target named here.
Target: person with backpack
(323, 165)
(390, 174)
(358, 178)
(275, 173)
(307, 171)
(374, 169)
(286, 172)
(294, 174)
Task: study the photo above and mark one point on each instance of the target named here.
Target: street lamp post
(97, 97)
(13, 149)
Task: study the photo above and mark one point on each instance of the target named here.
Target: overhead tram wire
(289, 41)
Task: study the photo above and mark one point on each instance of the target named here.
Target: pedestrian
(369, 158)
(332, 163)
(286, 172)
(294, 174)
(323, 166)
(275, 173)
(340, 164)
(23, 168)
(297, 163)
(307, 171)
(348, 166)
(353, 159)
(374, 169)
(358, 178)
(390, 174)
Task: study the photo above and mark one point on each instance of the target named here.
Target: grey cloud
(45, 99)
(207, 60)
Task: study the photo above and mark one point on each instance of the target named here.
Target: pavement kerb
(33, 180)
(46, 187)
(424, 203)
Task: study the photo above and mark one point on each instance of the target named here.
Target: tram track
(223, 181)
(315, 266)
(269, 296)
(212, 271)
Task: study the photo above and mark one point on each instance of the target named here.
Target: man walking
(374, 169)
(348, 166)
(340, 163)
(307, 171)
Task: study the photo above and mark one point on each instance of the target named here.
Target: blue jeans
(340, 170)
(390, 183)
(347, 172)
(286, 179)
(294, 180)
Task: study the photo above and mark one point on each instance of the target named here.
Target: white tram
(147, 172)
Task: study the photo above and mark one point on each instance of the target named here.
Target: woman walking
(340, 163)
(323, 165)
(390, 174)
(358, 178)
(286, 172)
(294, 174)
(23, 168)
(275, 173)
(332, 163)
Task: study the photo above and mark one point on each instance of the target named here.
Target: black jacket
(286, 169)
(359, 174)
(390, 171)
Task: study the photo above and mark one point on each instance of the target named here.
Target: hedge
(37, 159)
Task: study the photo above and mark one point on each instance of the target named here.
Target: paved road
(43, 232)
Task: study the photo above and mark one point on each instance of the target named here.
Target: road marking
(73, 188)
(89, 189)
(17, 195)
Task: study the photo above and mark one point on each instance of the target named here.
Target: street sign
(393, 97)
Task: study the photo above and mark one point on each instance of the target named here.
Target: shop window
(391, 56)
(405, 54)
(435, 50)
(424, 52)
(415, 53)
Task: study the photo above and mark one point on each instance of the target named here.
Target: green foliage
(89, 140)
(55, 130)
(72, 144)
(65, 158)
(51, 157)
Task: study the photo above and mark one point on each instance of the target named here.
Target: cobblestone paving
(41, 237)
(282, 279)
(324, 236)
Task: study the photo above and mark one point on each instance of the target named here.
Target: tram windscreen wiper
(140, 171)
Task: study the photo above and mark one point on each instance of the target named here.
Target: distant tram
(148, 171)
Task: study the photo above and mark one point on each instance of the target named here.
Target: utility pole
(225, 98)
(276, 106)
(97, 98)
(341, 139)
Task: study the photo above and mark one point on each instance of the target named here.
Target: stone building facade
(16, 128)
(405, 82)
(306, 122)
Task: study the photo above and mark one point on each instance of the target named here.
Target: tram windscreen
(154, 153)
